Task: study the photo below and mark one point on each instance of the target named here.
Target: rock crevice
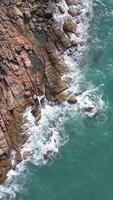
(31, 64)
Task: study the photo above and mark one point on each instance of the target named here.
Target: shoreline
(37, 68)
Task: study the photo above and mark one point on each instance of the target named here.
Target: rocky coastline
(32, 67)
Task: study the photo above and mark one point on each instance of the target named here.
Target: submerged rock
(88, 109)
(71, 99)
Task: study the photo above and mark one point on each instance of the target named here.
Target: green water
(83, 170)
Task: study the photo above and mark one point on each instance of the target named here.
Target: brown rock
(88, 109)
(62, 37)
(62, 10)
(71, 99)
(72, 2)
(10, 101)
(26, 154)
(73, 11)
(69, 26)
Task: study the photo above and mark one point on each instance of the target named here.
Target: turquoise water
(83, 169)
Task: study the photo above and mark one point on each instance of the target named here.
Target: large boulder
(61, 36)
(73, 11)
(69, 26)
(71, 99)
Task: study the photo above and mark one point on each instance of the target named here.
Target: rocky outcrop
(73, 11)
(69, 26)
(72, 2)
(31, 66)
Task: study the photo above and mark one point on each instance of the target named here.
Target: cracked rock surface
(31, 44)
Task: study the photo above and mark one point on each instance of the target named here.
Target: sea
(79, 140)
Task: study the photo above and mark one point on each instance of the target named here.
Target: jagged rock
(18, 48)
(73, 11)
(29, 72)
(17, 12)
(71, 99)
(72, 2)
(26, 154)
(48, 13)
(62, 37)
(10, 101)
(27, 14)
(69, 26)
(62, 10)
(88, 109)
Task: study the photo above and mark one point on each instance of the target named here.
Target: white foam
(44, 136)
(91, 98)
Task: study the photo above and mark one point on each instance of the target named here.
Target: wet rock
(26, 154)
(73, 11)
(27, 80)
(61, 97)
(62, 10)
(72, 2)
(62, 37)
(69, 26)
(71, 99)
(88, 109)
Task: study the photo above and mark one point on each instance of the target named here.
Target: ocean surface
(81, 167)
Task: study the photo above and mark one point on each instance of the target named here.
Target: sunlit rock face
(32, 46)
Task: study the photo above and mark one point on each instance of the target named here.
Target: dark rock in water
(69, 26)
(88, 109)
(62, 10)
(46, 155)
(97, 57)
(72, 99)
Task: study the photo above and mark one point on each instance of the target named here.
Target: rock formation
(31, 66)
